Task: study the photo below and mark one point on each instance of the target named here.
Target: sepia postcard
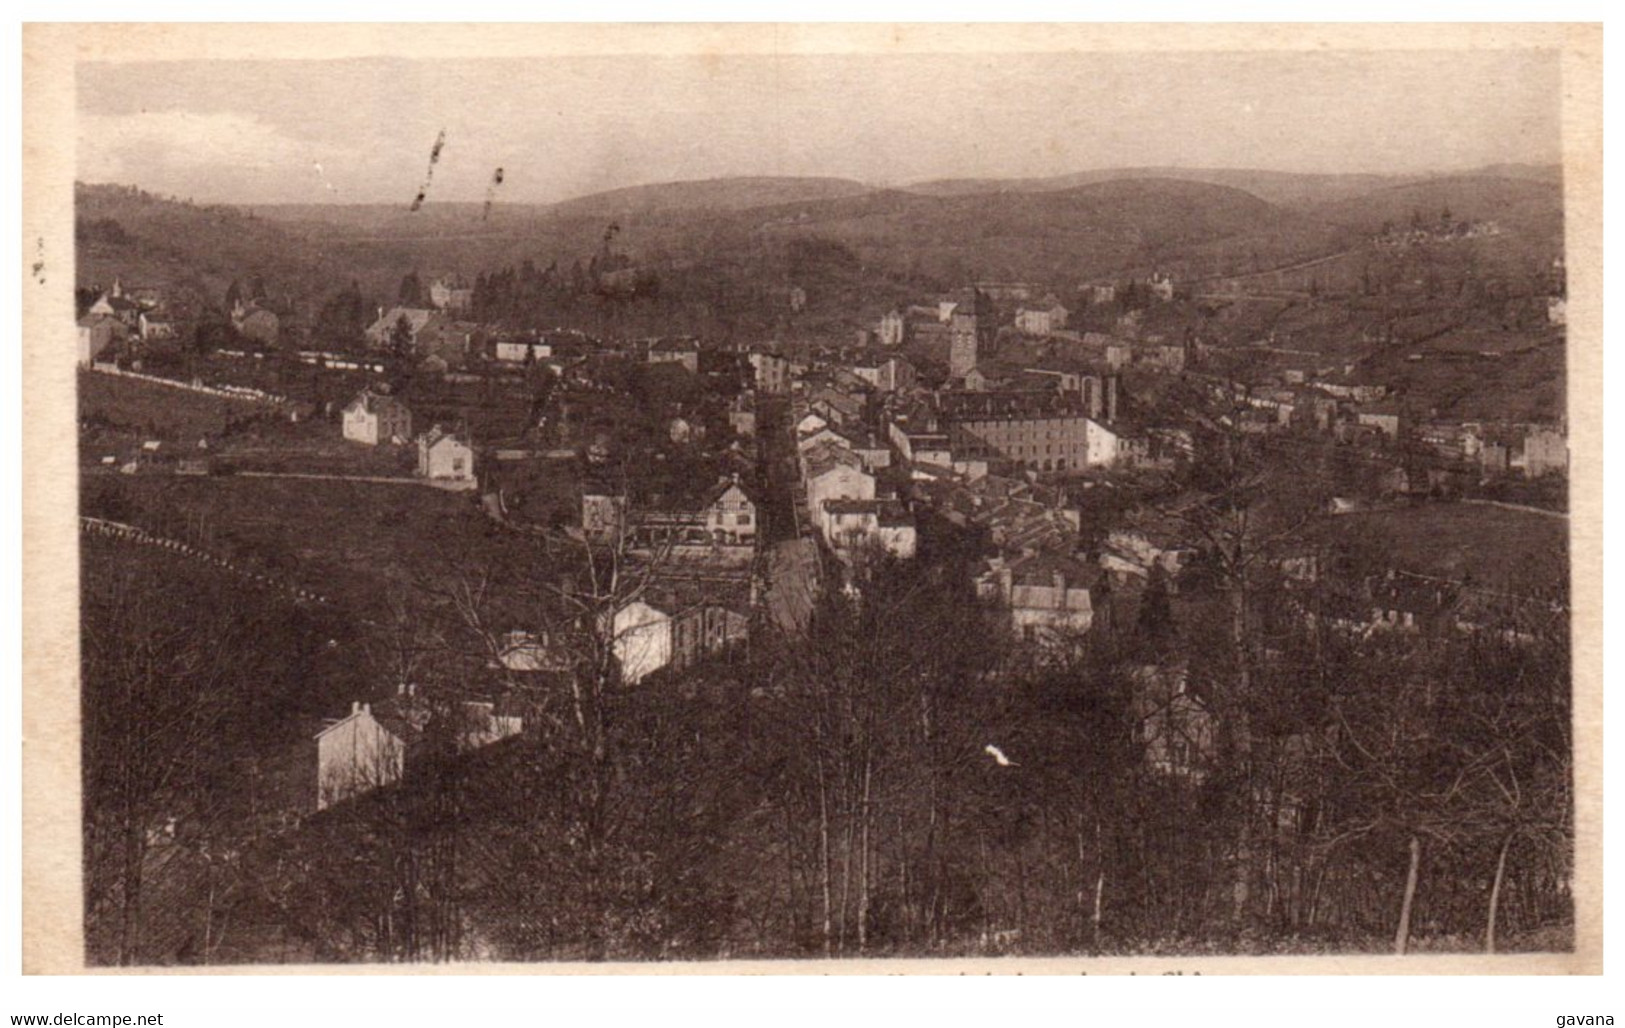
(847, 499)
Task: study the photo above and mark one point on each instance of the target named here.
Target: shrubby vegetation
(833, 795)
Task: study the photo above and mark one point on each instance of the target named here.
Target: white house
(516, 352)
(374, 418)
(1545, 450)
(1557, 310)
(453, 293)
(153, 327)
(445, 456)
(641, 640)
(1048, 596)
(647, 637)
(834, 473)
(358, 754)
(519, 650)
(381, 333)
(1041, 320)
(96, 334)
(730, 516)
(893, 328)
(854, 524)
(603, 515)
(369, 748)
(1103, 446)
(886, 374)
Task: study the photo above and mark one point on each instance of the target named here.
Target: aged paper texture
(742, 90)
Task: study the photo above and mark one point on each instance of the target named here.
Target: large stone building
(1043, 442)
(1041, 319)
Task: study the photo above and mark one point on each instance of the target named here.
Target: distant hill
(758, 234)
(720, 194)
(147, 240)
(1064, 235)
(1301, 190)
(1536, 172)
(1273, 186)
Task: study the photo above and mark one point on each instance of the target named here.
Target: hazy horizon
(337, 201)
(360, 131)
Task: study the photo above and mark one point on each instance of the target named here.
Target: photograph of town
(813, 507)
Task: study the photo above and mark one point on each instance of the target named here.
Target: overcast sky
(255, 132)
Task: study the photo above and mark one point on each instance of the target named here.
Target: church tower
(971, 328)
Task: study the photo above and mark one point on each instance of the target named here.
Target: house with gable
(1041, 319)
(97, 334)
(453, 293)
(831, 472)
(684, 352)
(730, 514)
(381, 334)
(376, 418)
(851, 525)
(371, 747)
(885, 373)
(445, 457)
(661, 630)
(256, 321)
(1048, 597)
(360, 753)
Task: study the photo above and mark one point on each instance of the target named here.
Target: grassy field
(157, 412)
(358, 543)
(1506, 550)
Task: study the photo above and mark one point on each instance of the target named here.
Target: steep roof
(416, 318)
(720, 490)
(827, 456)
(376, 403)
(437, 435)
(1040, 569)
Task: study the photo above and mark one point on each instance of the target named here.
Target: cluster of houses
(974, 309)
(1420, 232)
(1329, 399)
(975, 410)
(1531, 450)
(374, 744)
(701, 564)
(119, 316)
(722, 529)
(379, 419)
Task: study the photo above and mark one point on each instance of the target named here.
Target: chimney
(366, 708)
(355, 706)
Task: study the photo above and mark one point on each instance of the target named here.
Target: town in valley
(1141, 562)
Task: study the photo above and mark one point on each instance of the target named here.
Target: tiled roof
(377, 403)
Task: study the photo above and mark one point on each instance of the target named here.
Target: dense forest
(903, 780)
